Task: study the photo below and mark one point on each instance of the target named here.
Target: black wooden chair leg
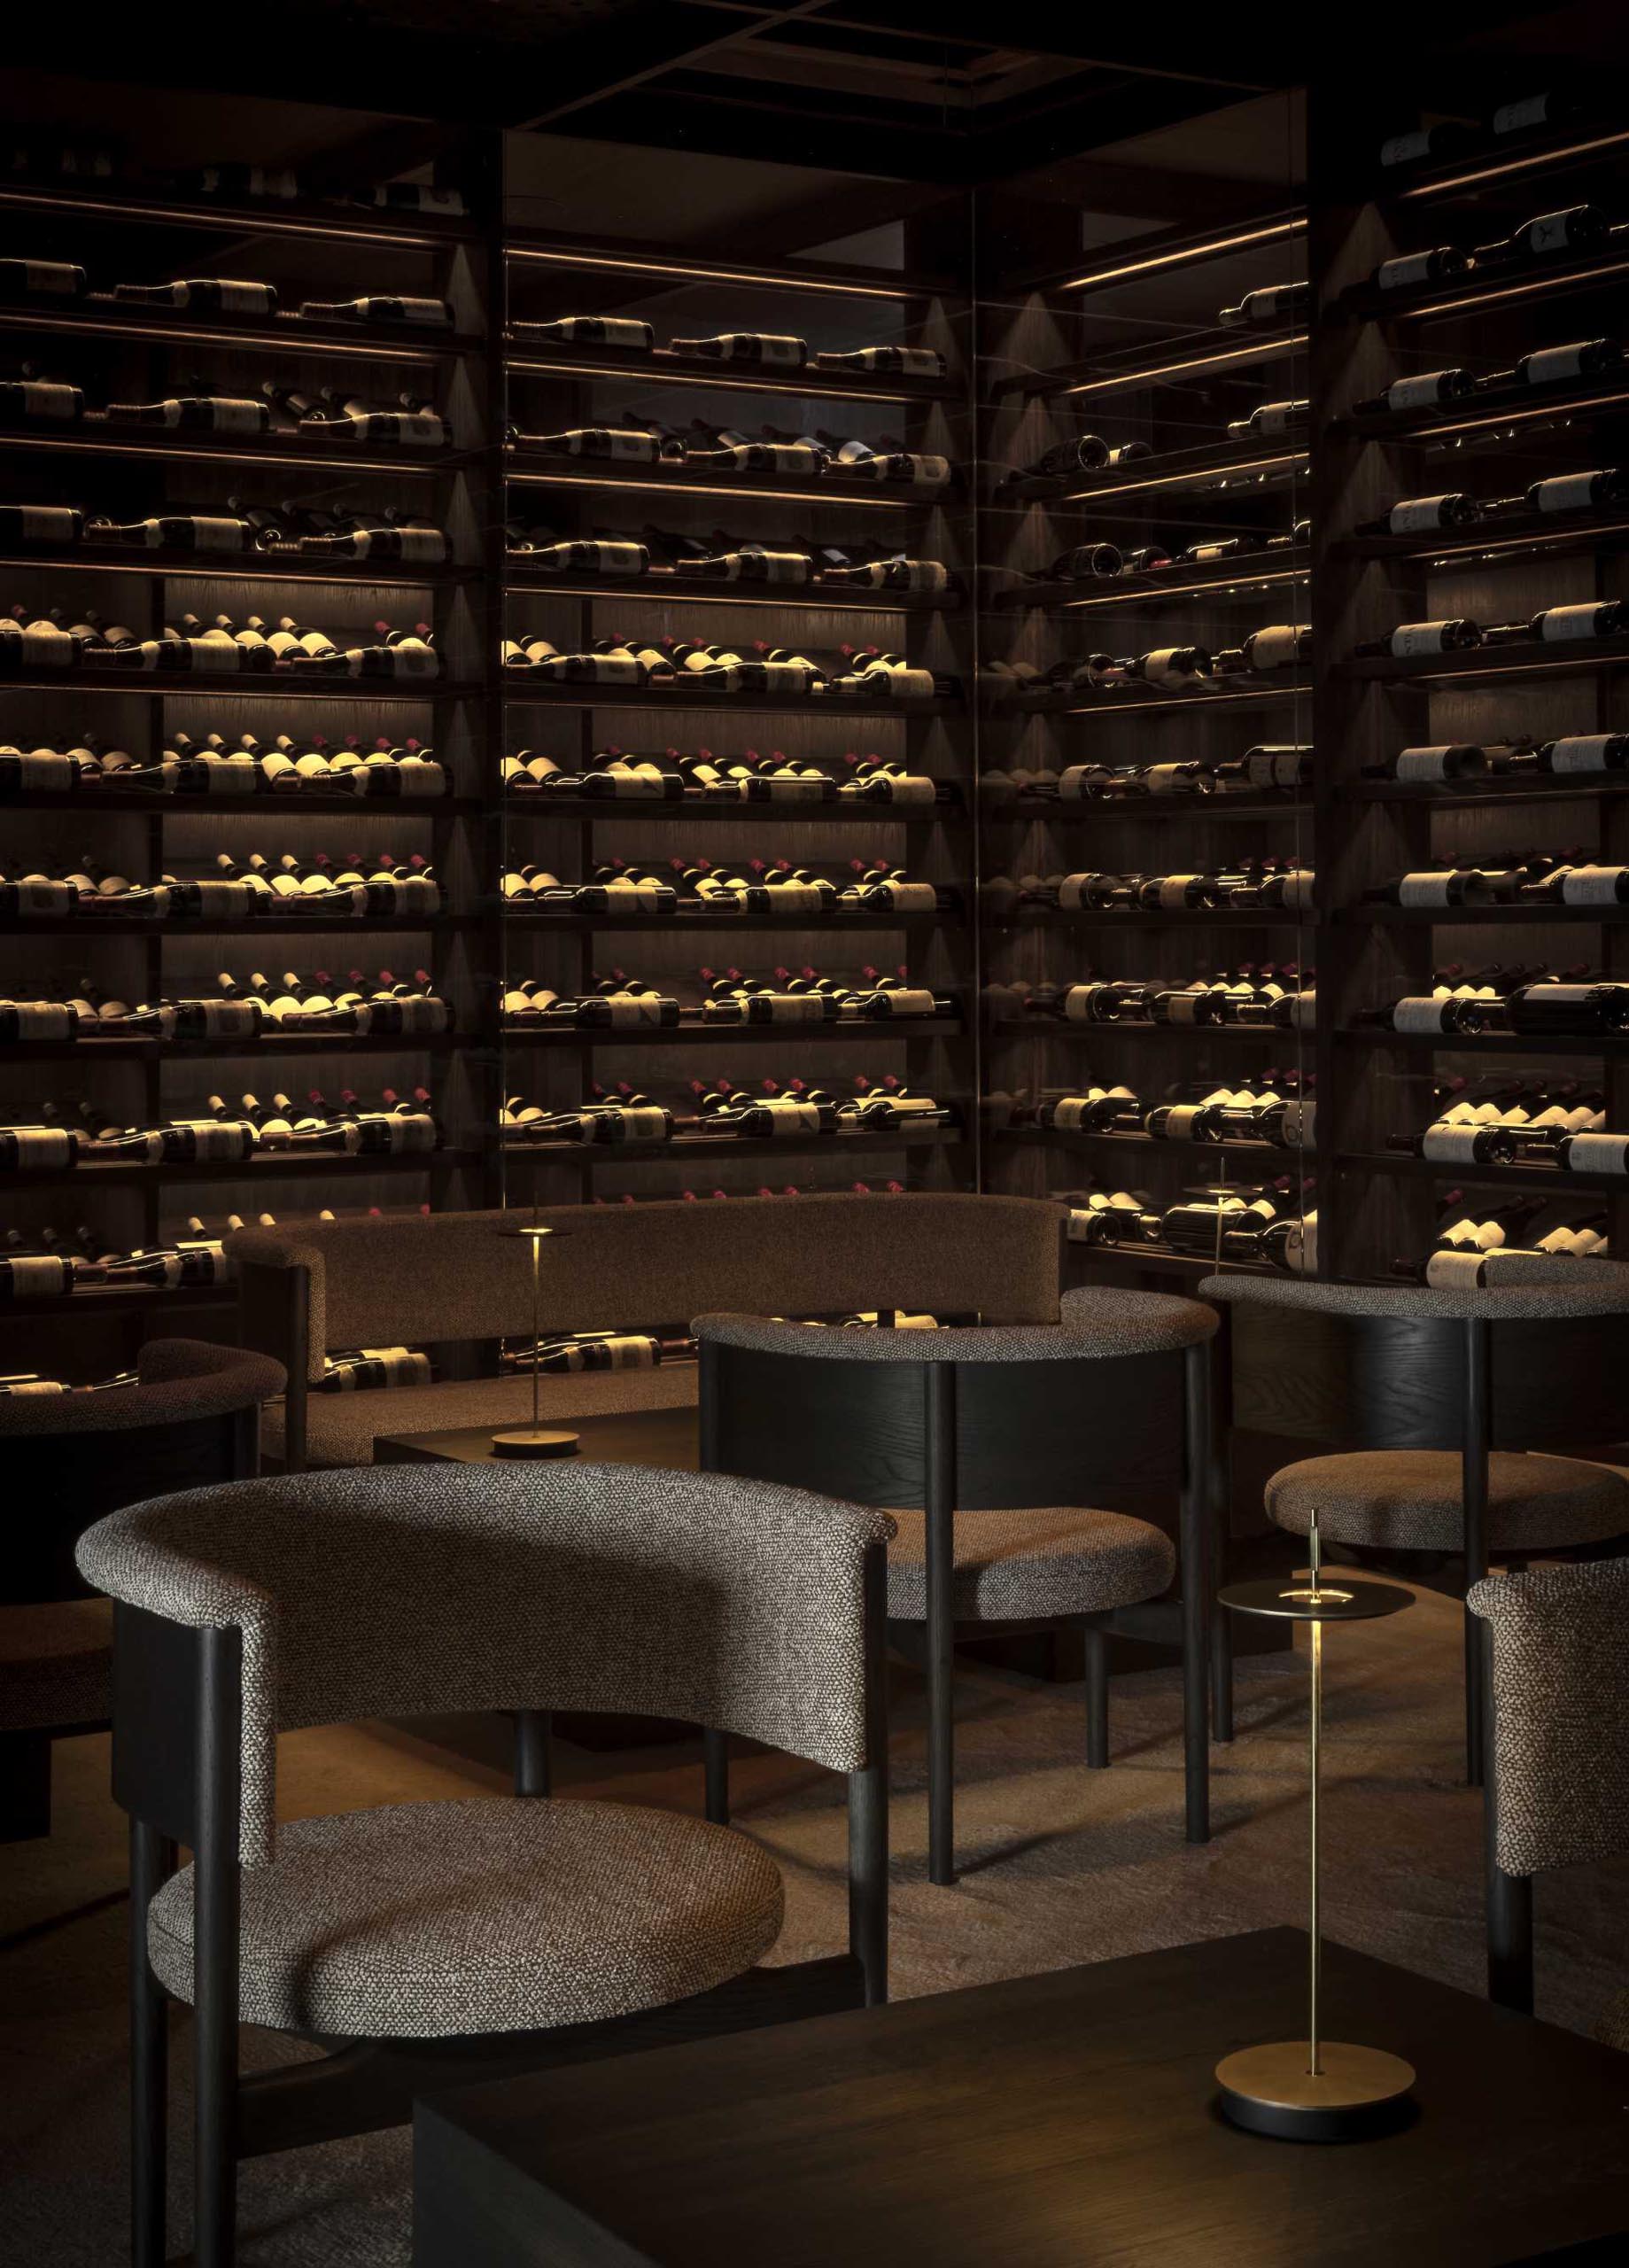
(1509, 1939)
(150, 1861)
(716, 1774)
(532, 1728)
(1096, 1640)
(1221, 1674)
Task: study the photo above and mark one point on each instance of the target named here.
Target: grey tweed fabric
(1567, 1287)
(1561, 1713)
(55, 1665)
(427, 1919)
(180, 1380)
(1009, 1565)
(1095, 1323)
(1412, 1500)
(341, 1428)
(402, 1589)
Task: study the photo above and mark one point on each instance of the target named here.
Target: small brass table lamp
(535, 1440)
(1314, 2090)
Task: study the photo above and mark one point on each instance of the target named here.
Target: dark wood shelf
(1442, 917)
(662, 586)
(723, 1145)
(1208, 352)
(1496, 405)
(573, 255)
(1190, 1153)
(231, 566)
(1491, 1042)
(1518, 1177)
(1179, 472)
(270, 685)
(268, 1047)
(535, 469)
(257, 925)
(1502, 159)
(102, 316)
(1125, 703)
(1496, 540)
(549, 359)
(87, 801)
(776, 1035)
(711, 811)
(345, 223)
(265, 1165)
(1505, 288)
(1251, 570)
(1527, 787)
(759, 926)
(1566, 656)
(1227, 918)
(1160, 808)
(1192, 1037)
(1161, 1260)
(92, 437)
(521, 688)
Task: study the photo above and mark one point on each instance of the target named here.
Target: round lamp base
(1355, 2091)
(538, 1442)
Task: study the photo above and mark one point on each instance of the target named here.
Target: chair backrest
(193, 1417)
(1084, 1412)
(450, 1276)
(401, 1590)
(1561, 1713)
(1384, 1366)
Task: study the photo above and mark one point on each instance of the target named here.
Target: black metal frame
(177, 1725)
(847, 1469)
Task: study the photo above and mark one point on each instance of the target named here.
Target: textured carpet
(1060, 1866)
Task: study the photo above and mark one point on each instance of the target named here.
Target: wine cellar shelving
(1220, 460)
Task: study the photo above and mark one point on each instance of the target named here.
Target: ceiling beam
(637, 45)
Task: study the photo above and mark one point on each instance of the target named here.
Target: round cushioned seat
(1057, 1559)
(421, 1921)
(1410, 1500)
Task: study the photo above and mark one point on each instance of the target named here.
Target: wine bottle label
(1422, 763)
(218, 1140)
(1416, 393)
(41, 398)
(636, 448)
(777, 787)
(906, 1001)
(40, 769)
(1417, 512)
(1184, 1007)
(1174, 891)
(1598, 1153)
(910, 898)
(634, 1123)
(912, 788)
(1566, 492)
(225, 1019)
(1425, 888)
(624, 897)
(1454, 1270)
(419, 1014)
(1180, 1124)
(57, 278)
(629, 1011)
(1297, 1127)
(1593, 885)
(1548, 232)
(1421, 1013)
(40, 522)
(1274, 649)
(608, 331)
(1521, 117)
(36, 1149)
(1298, 891)
(37, 896)
(219, 901)
(786, 1008)
(1408, 268)
(1549, 365)
(1169, 779)
(1410, 638)
(782, 1115)
(1451, 1145)
(1080, 1003)
(37, 1275)
(1562, 622)
(1583, 752)
(1406, 149)
(35, 1019)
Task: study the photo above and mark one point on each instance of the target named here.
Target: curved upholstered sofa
(451, 1278)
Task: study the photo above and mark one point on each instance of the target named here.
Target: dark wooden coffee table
(1049, 2123)
(663, 1437)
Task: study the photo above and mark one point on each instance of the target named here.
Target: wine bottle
(1596, 618)
(195, 414)
(1427, 390)
(26, 524)
(1575, 228)
(1266, 419)
(216, 295)
(41, 279)
(175, 531)
(1552, 366)
(768, 349)
(1456, 634)
(1584, 752)
(1580, 491)
(623, 331)
(1417, 514)
(32, 400)
(1269, 303)
(1441, 264)
(1457, 760)
(381, 307)
(1446, 137)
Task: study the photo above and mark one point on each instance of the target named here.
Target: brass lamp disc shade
(1356, 2091)
(530, 1441)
